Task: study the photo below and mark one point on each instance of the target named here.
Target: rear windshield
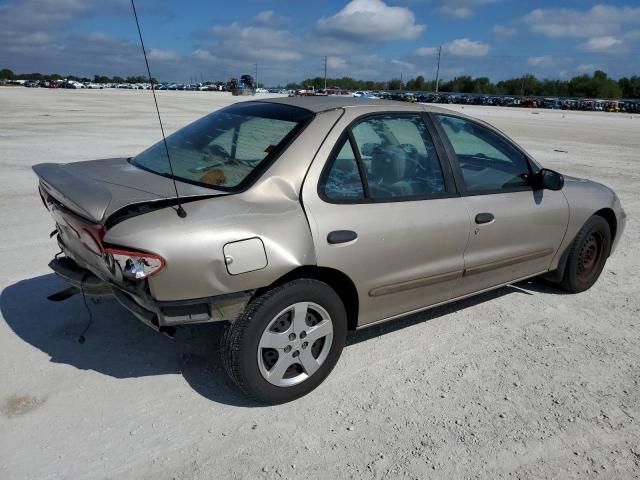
(227, 148)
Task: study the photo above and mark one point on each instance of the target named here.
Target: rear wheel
(286, 342)
(587, 255)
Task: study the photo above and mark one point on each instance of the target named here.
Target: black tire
(240, 342)
(587, 255)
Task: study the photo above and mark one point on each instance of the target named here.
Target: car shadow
(117, 344)
(120, 346)
(430, 314)
(525, 287)
(539, 285)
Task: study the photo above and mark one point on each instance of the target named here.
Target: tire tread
(230, 347)
(567, 283)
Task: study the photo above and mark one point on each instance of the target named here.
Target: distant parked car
(73, 84)
(301, 218)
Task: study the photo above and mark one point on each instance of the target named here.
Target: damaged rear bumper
(162, 316)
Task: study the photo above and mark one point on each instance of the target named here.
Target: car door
(383, 210)
(516, 229)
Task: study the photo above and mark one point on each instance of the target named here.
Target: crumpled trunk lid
(96, 189)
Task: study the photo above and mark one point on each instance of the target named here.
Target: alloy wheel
(295, 344)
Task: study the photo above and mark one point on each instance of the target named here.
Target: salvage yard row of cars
(73, 84)
(555, 103)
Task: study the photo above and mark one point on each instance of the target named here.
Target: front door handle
(484, 218)
(341, 236)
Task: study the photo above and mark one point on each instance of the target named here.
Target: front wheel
(286, 342)
(587, 255)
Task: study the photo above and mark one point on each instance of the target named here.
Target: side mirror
(548, 179)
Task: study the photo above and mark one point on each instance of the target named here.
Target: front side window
(224, 148)
(398, 157)
(487, 161)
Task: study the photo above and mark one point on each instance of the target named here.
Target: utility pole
(325, 73)
(438, 69)
(400, 81)
(256, 74)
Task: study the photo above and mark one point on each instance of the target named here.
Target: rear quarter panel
(270, 210)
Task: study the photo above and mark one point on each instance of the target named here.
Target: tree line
(598, 85)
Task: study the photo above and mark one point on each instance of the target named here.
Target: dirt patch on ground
(17, 405)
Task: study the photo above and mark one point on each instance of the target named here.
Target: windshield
(227, 148)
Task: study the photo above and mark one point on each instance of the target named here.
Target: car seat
(391, 170)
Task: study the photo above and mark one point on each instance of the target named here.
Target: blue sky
(369, 39)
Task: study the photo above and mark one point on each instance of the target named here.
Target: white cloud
(600, 20)
(403, 64)
(426, 51)
(503, 31)
(256, 43)
(368, 67)
(269, 18)
(371, 20)
(462, 8)
(264, 17)
(606, 43)
(632, 35)
(336, 63)
(586, 68)
(203, 55)
(543, 61)
(160, 55)
(461, 47)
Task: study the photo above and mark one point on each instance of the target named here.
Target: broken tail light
(133, 265)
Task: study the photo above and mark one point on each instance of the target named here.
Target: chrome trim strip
(445, 302)
(485, 267)
(412, 284)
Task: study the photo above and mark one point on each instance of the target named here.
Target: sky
(289, 39)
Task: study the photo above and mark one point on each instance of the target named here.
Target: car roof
(322, 103)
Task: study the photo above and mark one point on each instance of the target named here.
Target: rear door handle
(484, 218)
(341, 236)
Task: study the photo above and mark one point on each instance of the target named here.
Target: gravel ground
(522, 382)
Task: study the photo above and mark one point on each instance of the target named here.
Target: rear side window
(389, 157)
(488, 162)
(398, 157)
(342, 181)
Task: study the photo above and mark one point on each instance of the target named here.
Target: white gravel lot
(523, 382)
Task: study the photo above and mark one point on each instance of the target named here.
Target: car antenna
(180, 211)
